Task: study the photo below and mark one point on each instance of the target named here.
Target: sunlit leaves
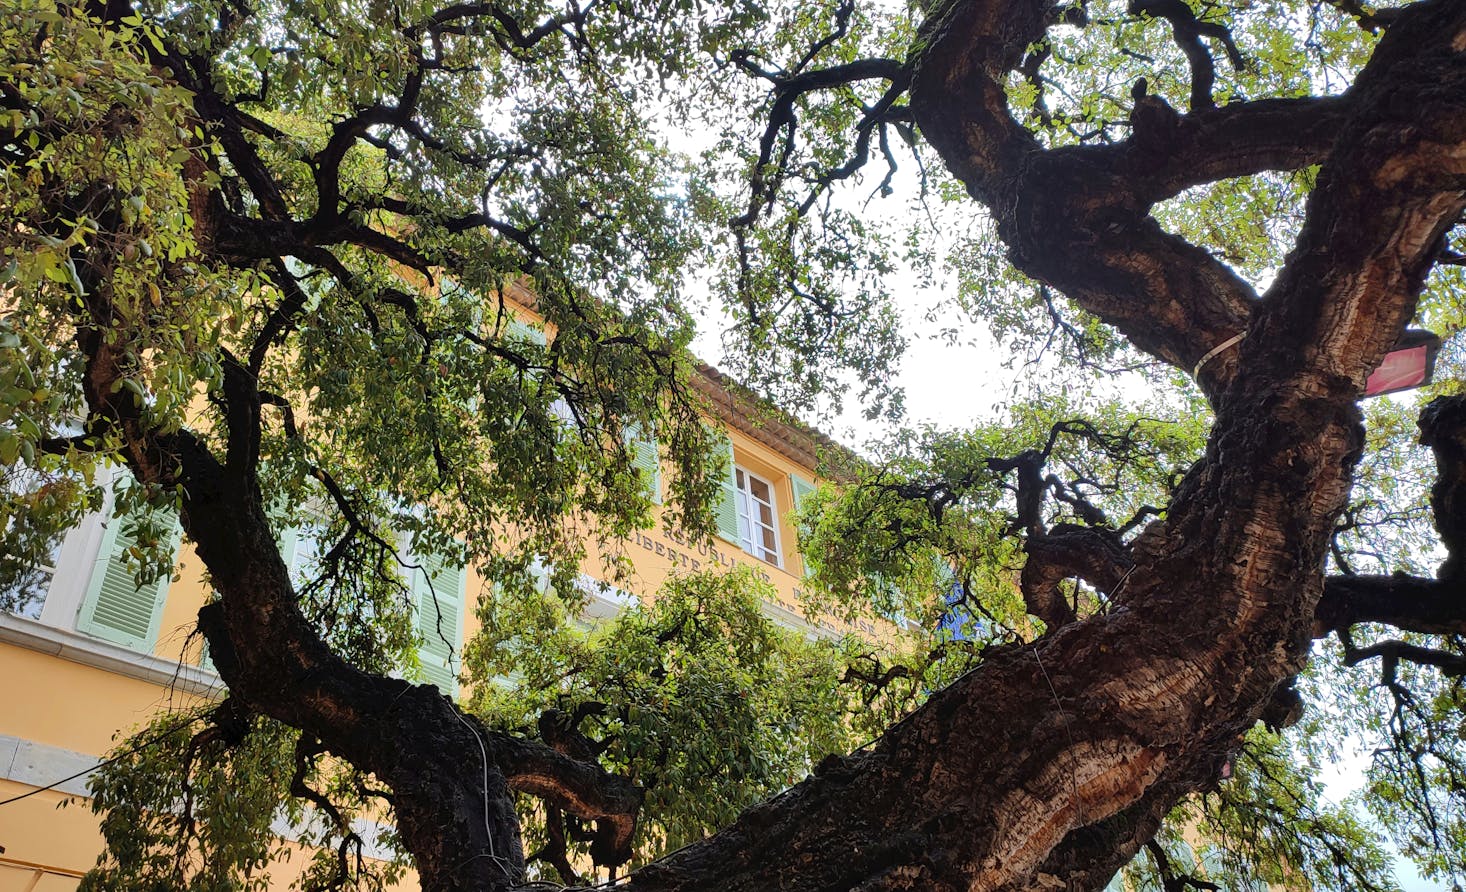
(197, 801)
(698, 697)
(937, 512)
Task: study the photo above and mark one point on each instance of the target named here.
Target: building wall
(65, 693)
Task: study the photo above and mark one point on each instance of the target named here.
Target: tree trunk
(981, 785)
(1053, 761)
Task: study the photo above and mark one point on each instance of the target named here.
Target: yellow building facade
(89, 654)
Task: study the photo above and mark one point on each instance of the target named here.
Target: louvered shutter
(523, 331)
(801, 490)
(116, 608)
(286, 540)
(727, 509)
(647, 461)
(438, 616)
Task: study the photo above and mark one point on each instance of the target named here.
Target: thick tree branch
(582, 789)
(1126, 703)
(1412, 603)
(1369, 21)
(1235, 140)
(1443, 429)
(1068, 551)
(1391, 653)
(1398, 176)
(1077, 218)
(1409, 603)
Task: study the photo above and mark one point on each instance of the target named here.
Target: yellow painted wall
(44, 844)
(52, 846)
(60, 703)
(64, 704)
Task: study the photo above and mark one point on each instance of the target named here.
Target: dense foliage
(260, 264)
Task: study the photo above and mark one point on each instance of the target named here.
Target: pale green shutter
(646, 460)
(801, 489)
(116, 608)
(438, 617)
(523, 331)
(727, 509)
(286, 541)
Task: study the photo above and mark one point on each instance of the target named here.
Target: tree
(266, 202)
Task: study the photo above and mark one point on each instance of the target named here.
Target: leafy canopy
(343, 200)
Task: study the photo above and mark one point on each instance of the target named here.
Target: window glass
(31, 596)
(758, 527)
(305, 560)
(32, 582)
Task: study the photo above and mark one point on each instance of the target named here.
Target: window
(758, 521)
(300, 548)
(34, 583)
(748, 514)
(647, 461)
(31, 580)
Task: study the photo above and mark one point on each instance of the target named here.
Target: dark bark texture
(1053, 763)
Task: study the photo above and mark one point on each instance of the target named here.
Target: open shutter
(801, 490)
(116, 608)
(647, 461)
(287, 540)
(523, 331)
(727, 509)
(438, 617)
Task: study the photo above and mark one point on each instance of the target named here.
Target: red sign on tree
(1410, 364)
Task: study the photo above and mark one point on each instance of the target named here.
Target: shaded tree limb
(1188, 31)
(1409, 603)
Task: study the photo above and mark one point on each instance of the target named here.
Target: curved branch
(579, 788)
(1391, 653)
(1188, 32)
(1092, 554)
(764, 180)
(1076, 218)
(1235, 140)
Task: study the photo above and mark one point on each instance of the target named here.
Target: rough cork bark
(1052, 763)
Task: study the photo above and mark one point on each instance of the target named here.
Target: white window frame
(746, 504)
(65, 586)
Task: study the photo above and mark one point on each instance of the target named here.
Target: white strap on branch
(1215, 350)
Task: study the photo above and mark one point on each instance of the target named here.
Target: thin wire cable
(100, 765)
(1068, 732)
(488, 823)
